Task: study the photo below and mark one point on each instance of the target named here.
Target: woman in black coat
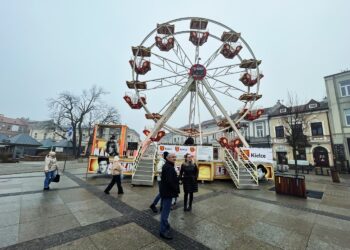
(188, 176)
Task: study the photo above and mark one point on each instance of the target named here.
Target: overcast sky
(47, 47)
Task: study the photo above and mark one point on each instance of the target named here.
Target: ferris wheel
(200, 63)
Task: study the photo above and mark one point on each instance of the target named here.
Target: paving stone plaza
(76, 214)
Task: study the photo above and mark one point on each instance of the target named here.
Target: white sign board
(59, 150)
(204, 153)
(179, 151)
(259, 154)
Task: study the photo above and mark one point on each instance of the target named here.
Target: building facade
(42, 130)
(256, 133)
(13, 126)
(338, 93)
(317, 147)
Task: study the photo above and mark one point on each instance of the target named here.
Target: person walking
(188, 177)
(159, 171)
(116, 176)
(51, 169)
(169, 189)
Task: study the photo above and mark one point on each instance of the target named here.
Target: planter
(290, 185)
(335, 175)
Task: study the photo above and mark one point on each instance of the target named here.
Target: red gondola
(159, 136)
(165, 44)
(135, 102)
(248, 80)
(230, 52)
(199, 38)
(143, 69)
(252, 115)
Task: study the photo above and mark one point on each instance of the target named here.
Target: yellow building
(317, 147)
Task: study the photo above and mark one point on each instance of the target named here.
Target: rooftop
(24, 139)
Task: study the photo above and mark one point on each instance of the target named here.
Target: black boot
(154, 208)
(190, 203)
(185, 202)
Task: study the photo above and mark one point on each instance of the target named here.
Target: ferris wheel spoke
(164, 84)
(167, 78)
(225, 70)
(170, 65)
(171, 108)
(171, 99)
(196, 57)
(211, 108)
(213, 56)
(178, 50)
(181, 54)
(224, 83)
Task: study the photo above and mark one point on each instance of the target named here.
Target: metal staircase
(242, 171)
(144, 166)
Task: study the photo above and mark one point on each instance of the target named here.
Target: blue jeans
(164, 224)
(156, 200)
(48, 178)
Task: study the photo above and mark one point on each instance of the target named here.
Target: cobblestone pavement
(76, 214)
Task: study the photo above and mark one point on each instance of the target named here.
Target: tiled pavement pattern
(76, 214)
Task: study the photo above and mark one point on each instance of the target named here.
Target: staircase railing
(137, 160)
(232, 166)
(248, 165)
(155, 159)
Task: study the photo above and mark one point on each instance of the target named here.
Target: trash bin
(335, 175)
(290, 185)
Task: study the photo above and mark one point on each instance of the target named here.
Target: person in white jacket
(159, 178)
(51, 168)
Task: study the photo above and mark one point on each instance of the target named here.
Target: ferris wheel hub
(198, 72)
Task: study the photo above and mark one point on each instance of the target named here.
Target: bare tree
(294, 124)
(69, 110)
(103, 114)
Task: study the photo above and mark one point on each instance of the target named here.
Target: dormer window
(312, 105)
(283, 110)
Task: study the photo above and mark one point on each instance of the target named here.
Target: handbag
(56, 178)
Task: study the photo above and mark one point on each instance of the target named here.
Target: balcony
(310, 139)
(279, 140)
(254, 141)
(319, 138)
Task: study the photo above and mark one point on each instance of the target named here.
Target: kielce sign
(259, 154)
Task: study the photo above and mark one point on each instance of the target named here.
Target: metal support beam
(207, 105)
(170, 109)
(223, 111)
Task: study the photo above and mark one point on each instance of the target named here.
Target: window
(45, 134)
(259, 129)
(301, 154)
(345, 88)
(279, 131)
(298, 128)
(283, 110)
(347, 116)
(35, 135)
(245, 131)
(316, 128)
(312, 105)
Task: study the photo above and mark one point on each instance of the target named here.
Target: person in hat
(116, 173)
(159, 178)
(50, 169)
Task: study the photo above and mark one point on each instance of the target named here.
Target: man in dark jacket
(169, 189)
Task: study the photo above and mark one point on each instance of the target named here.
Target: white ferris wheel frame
(175, 101)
